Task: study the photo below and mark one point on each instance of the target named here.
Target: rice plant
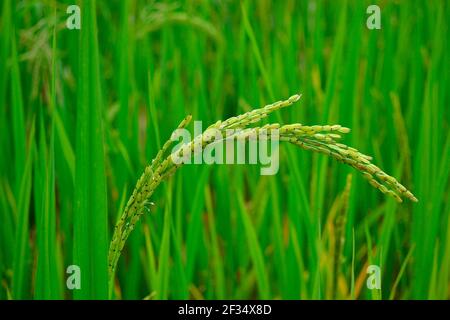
(84, 111)
(317, 138)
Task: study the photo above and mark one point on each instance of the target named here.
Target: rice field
(91, 208)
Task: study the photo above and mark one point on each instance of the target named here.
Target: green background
(82, 112)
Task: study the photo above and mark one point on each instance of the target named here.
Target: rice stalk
(317, 138)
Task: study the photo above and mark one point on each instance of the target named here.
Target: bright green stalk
(255, 252)
(162, 291)
(18, 117)
(22, 263)
(90, 215)
(48, 281)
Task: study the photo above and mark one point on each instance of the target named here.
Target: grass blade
(90, 219)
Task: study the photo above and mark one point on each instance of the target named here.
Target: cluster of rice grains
(317, 138)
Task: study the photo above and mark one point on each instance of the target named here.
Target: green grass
(84, 112)
(91, 209)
